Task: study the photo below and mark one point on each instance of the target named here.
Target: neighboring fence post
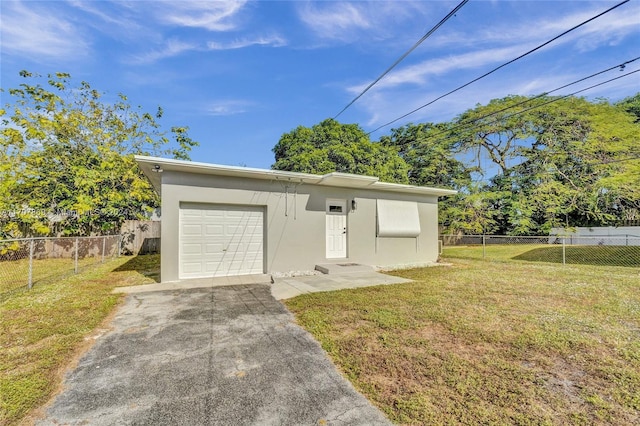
(104, 243)
(31, 247)
(119, 245)
(564, 251)
(484, 247)
(76, 257)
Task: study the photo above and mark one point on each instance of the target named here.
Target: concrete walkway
(286, 288)
(197, 283)
(282, 288)
(219, 355)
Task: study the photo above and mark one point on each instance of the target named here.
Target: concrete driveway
(208, 356)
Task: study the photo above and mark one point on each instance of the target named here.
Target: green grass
(580, 255)
(489, 343)
(41, 329)
(14, 273)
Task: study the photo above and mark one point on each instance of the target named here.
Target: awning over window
(398, 218)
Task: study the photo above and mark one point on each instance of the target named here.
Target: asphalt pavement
(208, 356)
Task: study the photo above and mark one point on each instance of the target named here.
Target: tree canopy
(551, 162)
(334, 147)
(522, 165)
(66, 158)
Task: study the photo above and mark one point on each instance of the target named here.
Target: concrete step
(343, 268)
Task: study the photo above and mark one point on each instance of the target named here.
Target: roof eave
(153, 167)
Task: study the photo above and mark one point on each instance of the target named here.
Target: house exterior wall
(295, 223)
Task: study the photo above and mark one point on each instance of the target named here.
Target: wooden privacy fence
(140, 237)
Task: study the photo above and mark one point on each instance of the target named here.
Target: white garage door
(217, 240)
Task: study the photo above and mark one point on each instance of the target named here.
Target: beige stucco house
(222, 220)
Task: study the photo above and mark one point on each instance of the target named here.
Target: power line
(544, 103)
(502, 66)
(475, 120)
(431, 31)
(564, 97)
(569, 95)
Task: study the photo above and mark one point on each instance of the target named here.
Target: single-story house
(223, 220)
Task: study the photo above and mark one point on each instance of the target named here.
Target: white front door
(336, 214)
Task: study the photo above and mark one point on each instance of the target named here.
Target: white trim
(335, 179)
(336, 238)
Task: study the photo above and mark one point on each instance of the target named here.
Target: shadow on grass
(145, 264)
(585, 255)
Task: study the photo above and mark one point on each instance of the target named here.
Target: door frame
(336, 207)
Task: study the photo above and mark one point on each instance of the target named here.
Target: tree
(334, 147)
(559, 161)
(631, 105)
(67, 159)
(429, 151)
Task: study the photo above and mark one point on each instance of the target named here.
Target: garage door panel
(215, 269)
(192, 230)
(218, 240)
(210, 248)
(255, 247)
(191, 213)
(191, 249)
(241, 229)
(233, 230)
(236, 213)
(191, 267)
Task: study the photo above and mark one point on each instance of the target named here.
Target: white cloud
(347, 21)
(398, 91)
(336, 20)
(115, 19)
(273, 41)
(36, 31)
(383, 107)
(609, 30)
(604, 30)
(227, 107)
(210, 15)
(172, 47)
(419, 74)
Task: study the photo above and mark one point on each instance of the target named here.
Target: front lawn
(43, 328)
(489, 343)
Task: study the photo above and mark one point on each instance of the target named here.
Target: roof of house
(152, 167)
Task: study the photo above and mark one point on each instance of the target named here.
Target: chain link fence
(623, 250)
(29, 261)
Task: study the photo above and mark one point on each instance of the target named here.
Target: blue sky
(240, 74)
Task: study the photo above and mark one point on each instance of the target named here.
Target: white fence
(25, 262)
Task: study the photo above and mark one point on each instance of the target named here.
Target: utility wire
(544, 103)
(502, 66)
(431, 31)
(567, 96)
(559, 99)
(475, 120)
